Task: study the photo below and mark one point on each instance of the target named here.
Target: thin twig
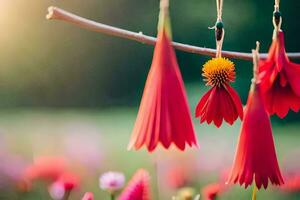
(60, 14)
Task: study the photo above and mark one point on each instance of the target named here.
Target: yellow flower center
(218, 71)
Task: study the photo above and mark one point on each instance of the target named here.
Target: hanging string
(164, 9)
(164, 20)
(164, 5)
(277, 2)
(219, 29)
(255, 54)
(219, 10)
(277, 19)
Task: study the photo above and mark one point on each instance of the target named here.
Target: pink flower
(112, 181)
(88, 196)
(138, 187)
(56, 191)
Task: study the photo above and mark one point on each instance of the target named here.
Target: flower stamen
(218, 71)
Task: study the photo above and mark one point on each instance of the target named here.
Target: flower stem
(67, 194)
(254, 192)
(112, 197)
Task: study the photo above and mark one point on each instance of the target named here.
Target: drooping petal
(220, 103)
(236, 100)
(292, 72)
(279, 100)
(255, 157)
(203, 103)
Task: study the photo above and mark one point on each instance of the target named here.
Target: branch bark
(60, 14)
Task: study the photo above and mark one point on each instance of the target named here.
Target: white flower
(112, 181)
(56, 191)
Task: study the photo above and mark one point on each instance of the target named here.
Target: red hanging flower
(255, 158)
(138, 187)
(221, 101)
(163, 116)
(280, 80)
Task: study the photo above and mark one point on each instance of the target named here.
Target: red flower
(45, 168)
(176, 176)
(69, 181)
(163, 116)
(221, 101)
(292, 184)
(280, 80)
(211, 191)
(138, 187)
(88, 196)
(255, 158)
(62, 187)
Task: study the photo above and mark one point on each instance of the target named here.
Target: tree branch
(60, 14)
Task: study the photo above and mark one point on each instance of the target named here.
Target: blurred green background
(57, 79)
(51, 63)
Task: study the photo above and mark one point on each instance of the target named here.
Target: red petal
(236, 100)
(292, 71)
(138, 187)
(202, 103)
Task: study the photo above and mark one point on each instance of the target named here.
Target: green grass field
(33, 132)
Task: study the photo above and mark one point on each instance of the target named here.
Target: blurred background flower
(185, 193)
(112, 181)
(138, 187)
